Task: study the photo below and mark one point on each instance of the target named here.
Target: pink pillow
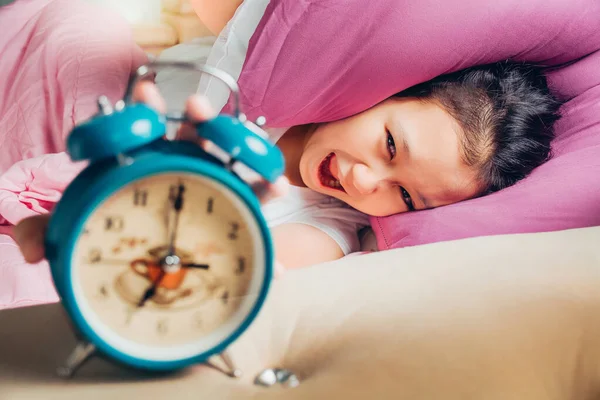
(317, 61)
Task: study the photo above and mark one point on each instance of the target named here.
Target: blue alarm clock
(158, 249)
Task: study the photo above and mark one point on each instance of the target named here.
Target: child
(454, 138)
(451, 139)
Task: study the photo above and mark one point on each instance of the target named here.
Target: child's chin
(338, 194)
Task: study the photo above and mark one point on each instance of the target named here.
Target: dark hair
(506, 113)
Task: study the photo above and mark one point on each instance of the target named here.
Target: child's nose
(364, 179)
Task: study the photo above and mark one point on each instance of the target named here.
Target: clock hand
(151, 291)
(194, 265)
(177, 203)
(117, 262)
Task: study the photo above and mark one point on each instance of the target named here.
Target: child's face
(419, 166)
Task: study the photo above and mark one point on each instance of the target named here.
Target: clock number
(241, 266)
(114, 224)
(209, 205)
(234, 229)
(95, 255)
(225, 297)
(140, 197)
(162, 327)
(103, 291)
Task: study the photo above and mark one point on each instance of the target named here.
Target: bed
(506, 317)
(497, 315)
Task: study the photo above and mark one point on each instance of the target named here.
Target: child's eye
(391, 146)
(407, 199)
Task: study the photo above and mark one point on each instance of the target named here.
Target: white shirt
(328, 214)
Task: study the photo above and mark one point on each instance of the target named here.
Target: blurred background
(159, 24)
(169, 30)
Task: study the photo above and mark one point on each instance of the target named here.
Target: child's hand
(29, 233)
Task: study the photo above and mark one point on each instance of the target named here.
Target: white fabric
(229, 51)
(301, 205)
(175, 84)
(305, 206)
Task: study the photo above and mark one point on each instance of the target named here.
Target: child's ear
(215, 14)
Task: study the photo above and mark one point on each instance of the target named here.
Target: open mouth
(326, 177)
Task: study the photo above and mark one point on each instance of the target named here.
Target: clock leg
(81, 353)
(232, 371)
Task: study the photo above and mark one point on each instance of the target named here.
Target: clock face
(169, 266)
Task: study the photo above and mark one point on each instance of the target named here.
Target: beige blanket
(508, 317)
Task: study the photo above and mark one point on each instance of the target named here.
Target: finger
(147, 92)
(281, 187)
(266, 191)
(187, 132)
(198, 109)
(29, 235)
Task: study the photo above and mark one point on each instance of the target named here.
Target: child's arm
(300, 245)
(29, 233)
(215, 14)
